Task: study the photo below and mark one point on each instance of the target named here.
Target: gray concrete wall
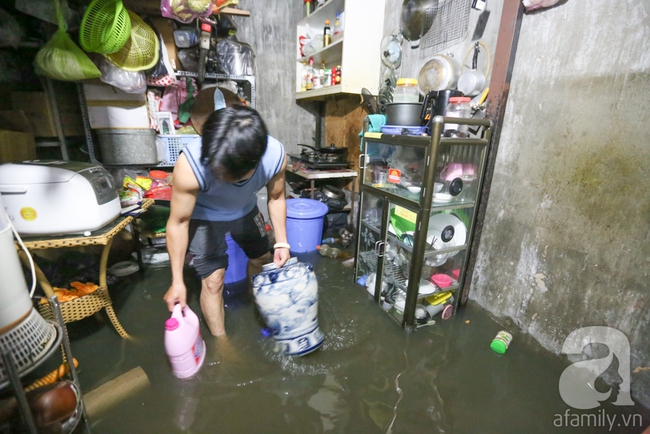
(566, 241)
(271, 31)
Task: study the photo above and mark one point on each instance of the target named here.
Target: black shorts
(208, 241)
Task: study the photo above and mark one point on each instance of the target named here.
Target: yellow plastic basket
(105, 27)
(141, 50)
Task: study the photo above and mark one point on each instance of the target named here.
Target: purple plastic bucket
(237, 262)
(305, 219)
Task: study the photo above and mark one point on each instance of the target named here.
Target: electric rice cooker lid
(305, 208)
(43, 171)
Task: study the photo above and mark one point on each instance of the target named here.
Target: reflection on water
(370, 376)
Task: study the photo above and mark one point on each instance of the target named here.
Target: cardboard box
(109, 107)
(16, 146)
(38, 109)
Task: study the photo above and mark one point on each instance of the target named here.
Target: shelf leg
(312, 184)
(67, 351)
(20, 392)
(102, 282)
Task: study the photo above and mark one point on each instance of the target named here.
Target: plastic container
(237, 262)
(305, 218)
(173, 145)
(403, 130)
(186, 37)
(458, 108)
(501, 342)
(406, 90)
(183, 343)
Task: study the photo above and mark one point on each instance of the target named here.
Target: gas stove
(329, 157)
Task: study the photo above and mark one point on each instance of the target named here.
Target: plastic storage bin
(237, 262)
(305, 219)
(173, 144)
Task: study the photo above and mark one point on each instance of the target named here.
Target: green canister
(501, 342)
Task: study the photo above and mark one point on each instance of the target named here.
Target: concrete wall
(271, 31)
(566, 241)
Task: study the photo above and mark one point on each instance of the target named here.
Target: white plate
(442, 197)
(426, 288)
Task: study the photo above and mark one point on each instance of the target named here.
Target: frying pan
(414, 19)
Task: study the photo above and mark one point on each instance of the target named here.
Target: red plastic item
(158, 174)
(163, 193)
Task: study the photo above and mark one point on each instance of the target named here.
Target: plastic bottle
(332, 252)
(406, 90)
(310, 74)
(327, 34)
(304, 75)
(183, 343)
(338, 78)
(501, 342)
(329, 240)
(337, 25)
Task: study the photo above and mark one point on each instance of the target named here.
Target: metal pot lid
(305, 208)
(333, 192)
(439, 73)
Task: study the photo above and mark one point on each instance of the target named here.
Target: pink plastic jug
(183, 343)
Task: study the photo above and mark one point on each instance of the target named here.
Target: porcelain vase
(287, 298)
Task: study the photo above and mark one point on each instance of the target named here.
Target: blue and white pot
(288, 300)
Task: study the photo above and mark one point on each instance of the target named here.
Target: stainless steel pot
(440, 72)
(333, 192)
(404, 113)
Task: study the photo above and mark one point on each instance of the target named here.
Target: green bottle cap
(498, 346)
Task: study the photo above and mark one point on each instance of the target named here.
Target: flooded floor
(370, 376)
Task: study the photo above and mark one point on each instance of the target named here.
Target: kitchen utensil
(445, 231)
(333, 192)
(369, 102)
(141, 50)
(472, 82)
(403, 113)
(416, 19)
(105, 27)
(391, 51)
(440, 72)
(435, 104)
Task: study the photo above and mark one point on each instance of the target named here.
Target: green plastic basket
(105, 27)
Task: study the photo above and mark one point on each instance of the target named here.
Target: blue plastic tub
(237, 262)
(305, 224)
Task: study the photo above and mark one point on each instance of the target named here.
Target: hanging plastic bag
(236, 58)
(185, 11)
(129, 82)
(61, 58)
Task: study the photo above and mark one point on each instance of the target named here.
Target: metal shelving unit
(60, 339)
(416, 251)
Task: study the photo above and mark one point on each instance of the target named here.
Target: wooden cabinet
(355, 48)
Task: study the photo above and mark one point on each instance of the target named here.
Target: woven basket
(78, 308)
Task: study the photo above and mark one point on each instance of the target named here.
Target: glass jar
(458, 108)
(406, 90)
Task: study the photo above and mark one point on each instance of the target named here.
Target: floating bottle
(332, 252)
(183, 343)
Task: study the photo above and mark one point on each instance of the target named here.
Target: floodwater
(370, 376)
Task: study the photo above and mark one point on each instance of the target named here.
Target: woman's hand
(280, 256)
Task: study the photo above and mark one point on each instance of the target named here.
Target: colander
(141, 50)
(105, 27)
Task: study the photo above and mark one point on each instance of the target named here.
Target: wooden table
(82, 307)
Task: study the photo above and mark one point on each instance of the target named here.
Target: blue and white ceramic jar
(288, 300)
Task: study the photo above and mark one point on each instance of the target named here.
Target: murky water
(370, 376)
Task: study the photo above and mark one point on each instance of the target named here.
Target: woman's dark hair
(234, 140)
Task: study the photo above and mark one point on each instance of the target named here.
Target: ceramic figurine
(288, 300)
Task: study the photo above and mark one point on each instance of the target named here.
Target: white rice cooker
(58, 197)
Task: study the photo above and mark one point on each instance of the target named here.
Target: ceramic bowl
(414, 190)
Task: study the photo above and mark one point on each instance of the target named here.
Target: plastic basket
(140, 51)
(105, 27)
(174, 144)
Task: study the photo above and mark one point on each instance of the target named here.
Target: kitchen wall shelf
(356, 48)
(417, 211)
